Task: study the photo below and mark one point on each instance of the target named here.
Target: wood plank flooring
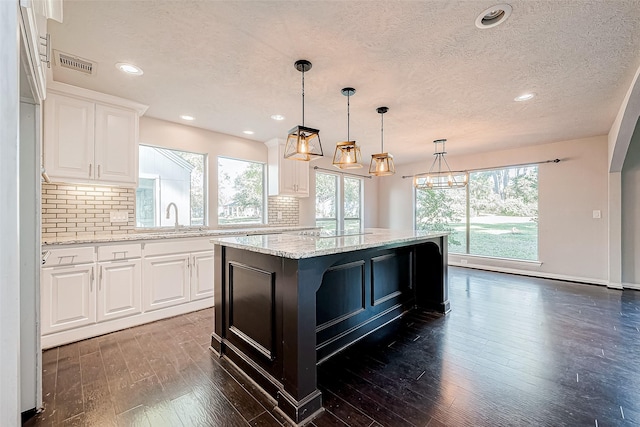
(514, 351)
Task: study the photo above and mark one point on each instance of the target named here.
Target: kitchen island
(286, 302)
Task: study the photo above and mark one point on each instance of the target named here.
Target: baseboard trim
(28, 414)
(634, 286)
(95, 329)
(543, 275)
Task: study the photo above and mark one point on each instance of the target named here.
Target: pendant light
(347, 154)
(382, 163)
(303, 143)
(437, 177)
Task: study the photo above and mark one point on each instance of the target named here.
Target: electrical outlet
(597, 214)
(463, 261)
(118, 216)
(279, 215)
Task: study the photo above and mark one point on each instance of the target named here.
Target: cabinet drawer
(116, 252)
(67, 256)
(177, 246)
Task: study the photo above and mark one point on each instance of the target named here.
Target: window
(496, 216)
(170, 176)
(338, 202)
(241, 192)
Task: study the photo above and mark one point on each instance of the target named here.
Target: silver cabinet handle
(91, 282)
(98, 171)
(100, 279)
(90, 165)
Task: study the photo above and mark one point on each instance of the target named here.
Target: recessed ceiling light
(495, 15)
(189, 118)
(524, 97)
(129, 69)
(278, 117)
(247, 132)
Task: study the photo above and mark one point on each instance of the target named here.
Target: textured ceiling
(230, 65)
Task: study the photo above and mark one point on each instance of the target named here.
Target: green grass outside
(502, 240)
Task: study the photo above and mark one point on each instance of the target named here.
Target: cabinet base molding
(94, 330)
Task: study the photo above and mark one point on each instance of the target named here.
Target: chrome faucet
(168, 212)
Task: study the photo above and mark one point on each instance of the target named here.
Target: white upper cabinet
(286, 177)
(90, 137)
(116, 133)
(68, 139)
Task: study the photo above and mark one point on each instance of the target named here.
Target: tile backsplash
(288, 207)
(70, 210)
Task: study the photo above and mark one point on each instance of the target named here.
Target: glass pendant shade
(303, 144)
(347, 155)
(382, 163)
(440, 175)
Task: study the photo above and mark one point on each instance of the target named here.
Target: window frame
(158, 192)
(467, 250)
(265, 196)
(340, 199)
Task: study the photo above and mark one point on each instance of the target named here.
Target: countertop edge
(159, 236)
(328, 251)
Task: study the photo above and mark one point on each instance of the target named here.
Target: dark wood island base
(277, 317)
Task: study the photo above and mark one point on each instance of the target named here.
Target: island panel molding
(310, 297)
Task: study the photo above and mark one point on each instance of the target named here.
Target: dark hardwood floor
(514, 351)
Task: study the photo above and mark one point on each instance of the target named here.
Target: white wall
(572, 245)
(631, 213)
(9, 216)
(30, 257)
(172, 135)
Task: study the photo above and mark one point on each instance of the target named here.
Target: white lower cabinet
(119, 288)
(166, 281)
(68, 297)
(202, 275)
(97, 289)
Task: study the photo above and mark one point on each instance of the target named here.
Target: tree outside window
(241, 192)
(170, 176)
(503, 213)
(338, 202)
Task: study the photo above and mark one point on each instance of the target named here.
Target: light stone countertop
(168, 234)
(297, 245)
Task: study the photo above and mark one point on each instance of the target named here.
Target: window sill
(470, 260)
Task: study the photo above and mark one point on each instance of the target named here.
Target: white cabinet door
(302, 179)
(68, 297)
(119, 288)
(286, 177)
(116, 144)
(202, 275)
(166, 281)
(69, 137)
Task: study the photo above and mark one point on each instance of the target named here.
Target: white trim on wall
(634, 286)
(540, 274)
(9, 215)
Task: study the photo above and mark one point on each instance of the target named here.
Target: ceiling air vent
(74, 63)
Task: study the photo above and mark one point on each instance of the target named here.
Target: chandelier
(440, 175)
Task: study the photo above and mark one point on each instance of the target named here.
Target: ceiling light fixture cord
(302, 96)
(348, 113)
(382, 132)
